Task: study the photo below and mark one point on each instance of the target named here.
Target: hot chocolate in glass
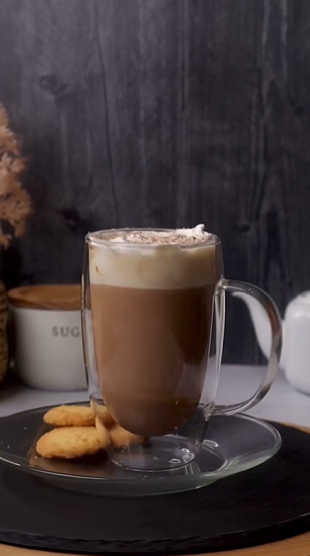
(148, 329)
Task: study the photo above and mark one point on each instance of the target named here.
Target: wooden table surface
(297, 546)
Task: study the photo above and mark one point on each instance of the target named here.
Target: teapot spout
(262, 326)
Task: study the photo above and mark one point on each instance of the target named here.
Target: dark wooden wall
(163, 113)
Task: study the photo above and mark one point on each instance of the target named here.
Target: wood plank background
(164, 113)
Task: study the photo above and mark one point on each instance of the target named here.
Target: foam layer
(154, 263)
(182, 236)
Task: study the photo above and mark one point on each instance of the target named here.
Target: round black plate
(264, 504)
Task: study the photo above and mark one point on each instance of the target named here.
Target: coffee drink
(151, 296)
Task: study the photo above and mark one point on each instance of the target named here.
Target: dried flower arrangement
(15, 207)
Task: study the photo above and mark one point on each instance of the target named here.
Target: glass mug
(153, 316)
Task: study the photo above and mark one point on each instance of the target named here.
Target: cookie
(121, 438)
(103, 431)
(71, 443)
(102, 412)
(70, 416)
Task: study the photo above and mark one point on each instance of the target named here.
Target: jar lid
(50, 297)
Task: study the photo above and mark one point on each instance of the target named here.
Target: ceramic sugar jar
(45, 331)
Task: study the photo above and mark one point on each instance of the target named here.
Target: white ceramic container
(45, 329)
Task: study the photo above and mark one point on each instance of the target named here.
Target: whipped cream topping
(198, 231)
(152, 258)
(181, 236)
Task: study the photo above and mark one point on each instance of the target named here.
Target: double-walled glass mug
(153, 315)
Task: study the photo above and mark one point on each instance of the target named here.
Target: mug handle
(272, 312)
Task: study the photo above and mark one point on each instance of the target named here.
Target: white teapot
(295, 356)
